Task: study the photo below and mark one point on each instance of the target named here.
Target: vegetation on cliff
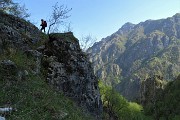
(30, 94)
(116, 107)
(165, 104)
(23, 84)
(159, 101)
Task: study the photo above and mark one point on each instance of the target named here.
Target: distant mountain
(135, 52)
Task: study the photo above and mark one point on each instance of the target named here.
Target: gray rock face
(138, 51)
(67, 67)
(70, 72)
(16, 33)
(150, 88)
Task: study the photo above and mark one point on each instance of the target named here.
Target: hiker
(43, 24)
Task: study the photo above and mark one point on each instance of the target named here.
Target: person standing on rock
(43, 25)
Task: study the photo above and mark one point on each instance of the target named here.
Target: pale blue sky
(101, 18)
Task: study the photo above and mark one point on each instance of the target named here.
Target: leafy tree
(134, 111)
(117, 107)
(59, 14)
(113, 102)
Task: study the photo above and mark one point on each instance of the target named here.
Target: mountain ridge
(138, 51)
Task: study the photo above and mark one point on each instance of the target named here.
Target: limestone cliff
(70, 71)
(31, 61)
(138, 51)
(161, 99)
(150, 89)
(16, 33)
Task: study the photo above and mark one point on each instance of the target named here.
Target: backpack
(45, 24)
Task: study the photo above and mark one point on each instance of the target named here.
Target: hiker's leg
(43, 28)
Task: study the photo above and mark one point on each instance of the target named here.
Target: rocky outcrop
(26, 55)
(150, 88)
(11, 73)
(16, 33)
(161, 99)
(70, 72)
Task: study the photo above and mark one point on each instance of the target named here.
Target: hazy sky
(101, 18)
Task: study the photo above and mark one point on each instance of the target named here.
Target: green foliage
(167, 103)
(117, 107)
(19, 58)
(157, 32)
(113, 102)
(112, 80)
(135, 112)
(33, 98)
(64, 36)
(42, 41)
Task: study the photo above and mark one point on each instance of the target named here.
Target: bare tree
(59, 13)
(87, 41)
(15, 9)
(19, 11)
(5, 4)
(68, 28)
